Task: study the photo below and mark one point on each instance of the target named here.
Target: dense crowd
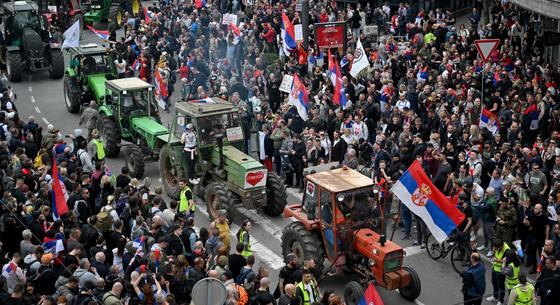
(421, 98)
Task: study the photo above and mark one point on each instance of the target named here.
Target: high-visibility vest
(99, 149)
(305, 293)
(246, 249)
(499, 255)
(524, 297)
(184, 202)
(514, 279)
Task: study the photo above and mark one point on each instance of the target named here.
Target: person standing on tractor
(186, 199)
(188, 139)
(243, 237)
(306, 290)
(95, 147)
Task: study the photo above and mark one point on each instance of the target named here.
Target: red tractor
(61, 14)
(340, 220)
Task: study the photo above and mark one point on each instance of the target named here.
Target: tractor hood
(243, 171)
(97, 84)
(148, 126)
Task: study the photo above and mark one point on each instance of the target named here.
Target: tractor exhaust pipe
(220, 142)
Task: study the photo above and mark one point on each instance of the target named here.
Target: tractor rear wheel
(353, 292)
(71, 95)
(134, 160)
(170, 174)
(304, 244)
(14, 66)
(412, 291)
(276, 196)
(218, 197)
(56, 68)
(111, 138)
(116, 14)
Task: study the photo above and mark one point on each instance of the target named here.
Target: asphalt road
(42, 97)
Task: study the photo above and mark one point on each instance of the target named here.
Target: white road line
(46, 121)
(37, 109)
(30, 89)
(264, 223)
(262, 253)
(32, 99)
(418, 302)
(30, 77)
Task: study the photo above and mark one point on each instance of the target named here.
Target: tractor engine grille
(393, 261)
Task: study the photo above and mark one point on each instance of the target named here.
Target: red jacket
(269, 36)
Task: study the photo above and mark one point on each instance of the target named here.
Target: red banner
(330, 35)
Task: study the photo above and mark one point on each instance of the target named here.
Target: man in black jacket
(339, 148)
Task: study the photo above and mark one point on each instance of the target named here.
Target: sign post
(209, 291)
(485, 48)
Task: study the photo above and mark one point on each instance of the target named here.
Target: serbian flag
(532, 113)
(299, 97)
(12, 268)
(371, 297)
(199, 4)
(53, 245)
(59, 193)
(420, 195)
(160, 85)
(136, 65)
(138, 242)
(339, 96)
(422, 74)
(146, 15)
(203, 101)
(101, 34)
(234, 29)
(490, 121)
(288, 35)
(302, 54)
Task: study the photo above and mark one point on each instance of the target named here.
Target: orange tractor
(340, 219)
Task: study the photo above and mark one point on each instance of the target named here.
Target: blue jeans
(407, 219)
(498, 285)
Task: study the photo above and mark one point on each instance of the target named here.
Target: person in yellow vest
(222, 224)
(306, 290)
(511, 270)
(186, 199)
(498, 279)
(95, 147)
(243, 237)
(523, 293)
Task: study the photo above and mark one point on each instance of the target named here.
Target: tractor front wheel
(134, 159)
(71, 95)
(56, 69)
(14, 66)
(304, 244)
(218, 197)
(276, 195)
(111, 138)
(412, 291)
(170, 174)
(353, 292)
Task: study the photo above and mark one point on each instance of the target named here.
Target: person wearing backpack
(246, 277)
(242, 295)
(85, 161)
(81, 208)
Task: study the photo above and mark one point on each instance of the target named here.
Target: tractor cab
(17, 16)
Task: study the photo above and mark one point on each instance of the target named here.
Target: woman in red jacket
(268, 36)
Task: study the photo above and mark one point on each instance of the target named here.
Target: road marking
(37, 109)
(33, 99)
(264, 254)
(30, 77)
(30, 89)
(46, 121)
(413, 250)
(264, 222)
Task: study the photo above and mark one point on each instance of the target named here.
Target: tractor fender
(70, 72)
(104, 110)
(12, 49)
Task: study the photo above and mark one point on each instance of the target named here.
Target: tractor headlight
(371, 262)
(263, 191)
(96, 7)
(340, 197)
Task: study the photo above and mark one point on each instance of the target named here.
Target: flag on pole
(422, 74)
(489, 121)
(160, 85)
(418, 193)
(138, 242)
(136, 65)
(288, 35)
(146, 15)
(371, 297)
(360, 61)
(59, 193)
(532, 113)
(302, 54)
(199, 4)
(100, 33)
(72, 36)
(299, 97)
(53, 245)
(339, 96)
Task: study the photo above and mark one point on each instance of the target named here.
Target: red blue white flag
(288, 35)
(59, 193)
(339, 95)
(418, 193)
(100, 33)
(160, 84)
(371, 297)
(199, 4)
(299, 97)
(489, 120)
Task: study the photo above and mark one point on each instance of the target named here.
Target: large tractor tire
(116, 13)
(134, 160)
(218, 197)
(353, 292)
(14, 66)
(56, 69)
(71, 95)
(412, 291)
(276, 195)
(304, 244)
(170, 174)
(111, 137)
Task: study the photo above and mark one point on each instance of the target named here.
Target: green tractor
(227, 175)
(27, 43)
(130, 113)
(101, 10)
(84, 79)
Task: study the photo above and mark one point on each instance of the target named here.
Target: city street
(42, 97)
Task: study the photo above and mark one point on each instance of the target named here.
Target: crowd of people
(421, 98)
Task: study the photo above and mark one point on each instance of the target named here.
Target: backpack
(243, 295)
(240, 279)
(80, 153)
(104, 221)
